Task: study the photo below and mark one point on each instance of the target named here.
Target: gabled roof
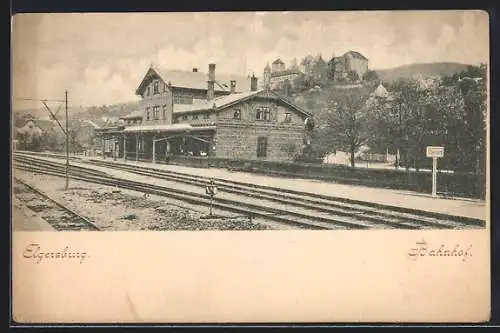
(194, 80)
(356, 55)
(223, 102)
(380, 91)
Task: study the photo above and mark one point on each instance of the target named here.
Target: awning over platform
(167, 128)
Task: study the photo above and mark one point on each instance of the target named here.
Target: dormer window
(148, 91)
(237, 114)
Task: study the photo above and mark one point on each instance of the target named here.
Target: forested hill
(98, 114)
(422, 70)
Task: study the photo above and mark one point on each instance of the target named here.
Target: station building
(183, 113)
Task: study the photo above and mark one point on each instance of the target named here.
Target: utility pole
(67, 140)
(53, 117)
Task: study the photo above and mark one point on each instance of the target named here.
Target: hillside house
(278, 75)
(349, 61)
(207, 115)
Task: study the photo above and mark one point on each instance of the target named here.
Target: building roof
(166, 128)
(134, 115)
(380, 91)
(286, 72)
(43, 124)
(216, 103)
(222, 102)
(278, 61)
(194, 80)
(92, 123)
(356, 55)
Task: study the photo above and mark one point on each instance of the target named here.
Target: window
(164, 109)
(147, 113)
(237, 114)
(195, 116)
(185, 117)
(261, 146)
(148, 91)
(156, 112)
(206, 116)
(288, 117)
(165, 87)
(156, 87)
(263, 113)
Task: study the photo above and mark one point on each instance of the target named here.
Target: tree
(303, 82)
(320, 71)
(372, 77)
(347, 123)
(471, 124)
(399, 123)
(29, 137)
(352, 76)
(290, 149)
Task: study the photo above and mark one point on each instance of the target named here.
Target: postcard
(250, 167)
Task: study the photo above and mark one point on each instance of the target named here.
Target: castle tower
(267, 77)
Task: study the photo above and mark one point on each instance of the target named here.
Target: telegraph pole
(67, 140)
(53, 116)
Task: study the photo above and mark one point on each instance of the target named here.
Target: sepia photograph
(345, 153)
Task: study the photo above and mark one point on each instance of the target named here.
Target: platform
(24, 219)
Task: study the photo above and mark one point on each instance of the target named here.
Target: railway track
(349, 213)
(250, 210)
(59, 216)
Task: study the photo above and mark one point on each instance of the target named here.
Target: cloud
(101, 58)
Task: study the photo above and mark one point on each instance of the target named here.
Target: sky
(100, 58)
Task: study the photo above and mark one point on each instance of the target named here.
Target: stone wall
(237, 138)
(240, 142)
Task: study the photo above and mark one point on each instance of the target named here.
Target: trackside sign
(433, 151)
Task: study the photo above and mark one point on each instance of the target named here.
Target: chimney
(233, 86)
(211, 82)
(253, 84)
(195, 70)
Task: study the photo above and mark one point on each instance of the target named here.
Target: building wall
(162, 99)
(277, 80)
(195, 118)
(356, 64)
(237, 138)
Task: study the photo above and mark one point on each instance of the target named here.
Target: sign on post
(435, 153)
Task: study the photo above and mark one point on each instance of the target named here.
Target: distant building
(349, 61)
(278, 65)
(278, 74)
